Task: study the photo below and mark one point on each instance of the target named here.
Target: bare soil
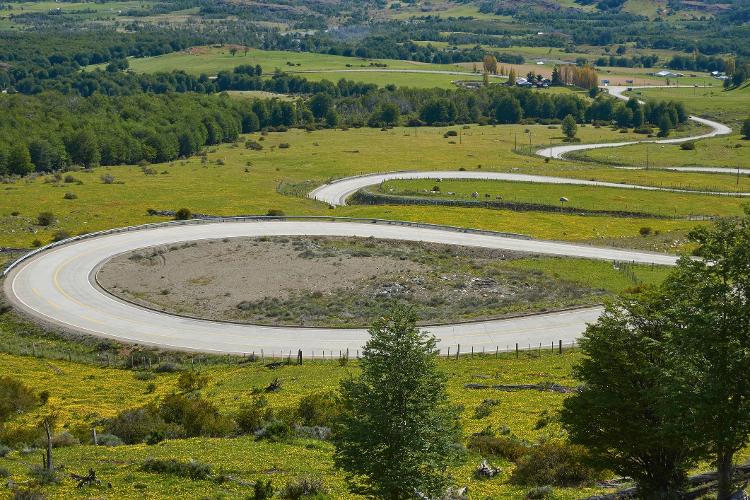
(321, 281)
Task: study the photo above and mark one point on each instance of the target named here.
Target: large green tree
(398, 432)
(709, 313)
(627, 413)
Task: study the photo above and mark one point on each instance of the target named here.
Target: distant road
(337, 192)
(58, 287)
(717, 129)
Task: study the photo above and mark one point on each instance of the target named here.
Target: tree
(490, 64)
(320, 105)
(508, 110)
(746, 129)
(83, 148)
(233, 51)
(19, 160)
(569, 127)
(397, 432)
(512, 77)
(556, 77)
(627, 415)
(665, 125)
(710, 320)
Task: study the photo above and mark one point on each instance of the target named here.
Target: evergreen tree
(398, 433)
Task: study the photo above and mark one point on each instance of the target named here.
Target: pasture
(232, 180)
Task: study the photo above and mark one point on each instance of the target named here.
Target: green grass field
(211, 60)
(87, 11)
(583, 197)
(112, 390)
(247, 183)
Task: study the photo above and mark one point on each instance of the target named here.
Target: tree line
(127, 129)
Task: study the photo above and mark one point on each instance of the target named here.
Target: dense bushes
(191, 469)
(553, 462)
(15, 397)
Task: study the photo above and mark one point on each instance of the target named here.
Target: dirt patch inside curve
(328, 281)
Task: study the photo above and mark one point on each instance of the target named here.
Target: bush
(556, 463)
(254, 415)
(108, 440)
(197, 417)
(166, 368)
(4, 473)
(60, 235)
(70, 196)
(275, 212)
(134, 425)
(644, 231)
(262, 489)
(43, 397)
(43, 476)
(539, 492)
(687, 146)
(144, 375)
(255, 146)
(508, 447)
(46, 219)
(450, 133)
(191, 469)
(303, 487)
(484, 409)
(15, 397)
(190, 381)
(29, 494)
(183, 214)
(4, 450)
(107, 179)
(64, 439)
(319, 409)
(284, 145)
(274, 430)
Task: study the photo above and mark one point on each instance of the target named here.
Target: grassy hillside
(235, 180)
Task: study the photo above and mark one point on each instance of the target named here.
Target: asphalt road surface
(58, 286)
(337, 192)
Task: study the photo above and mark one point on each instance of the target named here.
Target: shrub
(190, 381)
(166, 368)
(644, 231)
(107, 179)
(191, 469)
(134, 425)
(197, 417)
(60, 235)
(254, 415)
(4, 473)
(43, 397)
(687, 146)
(553, 462)
(43, 476)
(4, 450)
(262, 489)
(144, 375)
(274, 430)
(70, 196)
(275, 212)
(36, 243)
(15, 397)
(255, 146)
(284, 145)
(484, 409)
(46, 219)
(508, 447)
(450, 133)
(319, 409)
(64, 439)
(303, 487)
(539, 492)
(183, 214)
(69, 179)
(108, 440)
(29, 494)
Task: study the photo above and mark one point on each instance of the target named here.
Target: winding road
(58, 286)
(717, 129)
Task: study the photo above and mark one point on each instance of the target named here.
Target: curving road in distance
(717, 129)
(58, 286)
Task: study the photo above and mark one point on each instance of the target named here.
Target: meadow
(726, 106)
(245, 459)
(582, 197)
(234, 180)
